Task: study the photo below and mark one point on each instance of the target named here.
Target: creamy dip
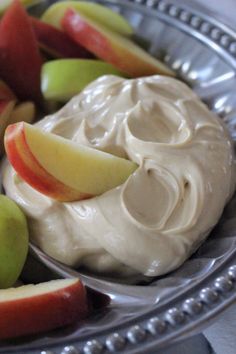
(157, 218)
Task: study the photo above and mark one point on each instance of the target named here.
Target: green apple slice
(96, 12)
(64, 78)
(13, 241)
(4, 4)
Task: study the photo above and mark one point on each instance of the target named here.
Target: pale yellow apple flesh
(80, 167)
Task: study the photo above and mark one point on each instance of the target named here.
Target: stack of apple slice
(105, 34)
(110, 46)
(32, 308)
(20, 60)
(23, 82)
(101, 14)
(56, 42)
(21, 38)
(68, 29)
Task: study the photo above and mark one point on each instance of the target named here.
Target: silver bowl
(157, 313)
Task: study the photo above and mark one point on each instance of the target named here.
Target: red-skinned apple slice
(20, 61)
(60, 168)
(57, 43)
(97, 12)
(32, 309)
(112, 47)
(6, 109)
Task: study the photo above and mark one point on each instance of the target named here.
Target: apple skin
(13, 241)
(111, 47)
(82, 172)
(33, 309)
(99, 13)
(17, 45)
(56, 42)
(76, 74)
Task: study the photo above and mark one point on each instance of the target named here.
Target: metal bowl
(157, 313)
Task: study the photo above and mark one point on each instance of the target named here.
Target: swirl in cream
(158, 217)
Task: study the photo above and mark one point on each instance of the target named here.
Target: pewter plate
(146, 314)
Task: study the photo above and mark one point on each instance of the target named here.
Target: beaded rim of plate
(169, 324)
(180, 316)
(205, 28)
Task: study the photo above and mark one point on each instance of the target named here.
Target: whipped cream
(154, 221)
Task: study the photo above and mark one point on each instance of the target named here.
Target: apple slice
(6, 3)
(24, 112)
(32, 309)
(20, 61)
(75, 75)
(99, 13)
(6, 109)
(111, 47)
(7, 103)
(6, 93)
(13, 240)
(56, 42)
(60, 168)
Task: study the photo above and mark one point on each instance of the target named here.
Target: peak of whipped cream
(154, 221)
